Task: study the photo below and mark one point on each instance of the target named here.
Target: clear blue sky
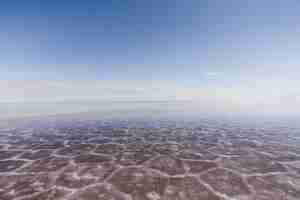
(240, 48)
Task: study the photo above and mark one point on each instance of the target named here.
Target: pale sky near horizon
(239, 55)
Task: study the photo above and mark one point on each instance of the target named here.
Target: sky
(239, 55)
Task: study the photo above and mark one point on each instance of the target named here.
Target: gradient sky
(237, 52)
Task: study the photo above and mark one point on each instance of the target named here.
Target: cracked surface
(154, 160)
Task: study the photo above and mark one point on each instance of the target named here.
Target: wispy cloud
(211, 75)
(82, 90)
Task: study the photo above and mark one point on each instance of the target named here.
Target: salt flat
(75, 159)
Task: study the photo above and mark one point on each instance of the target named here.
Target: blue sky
(171, 49)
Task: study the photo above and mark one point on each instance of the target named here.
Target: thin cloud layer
(240, 98)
